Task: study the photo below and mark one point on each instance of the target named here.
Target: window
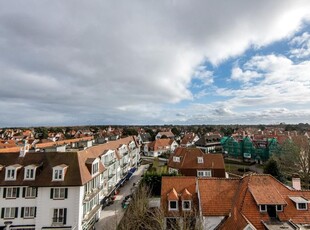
(200, 159)
(186, 204)
(10, 174)
(59, 193)
(176, 159)
(58, 174)
(301, 206)
(173, 205)
(95, 168)
(30, 192)
(263, 208)
(206, 173)
(9, 213)
(29, 174)
(59, 215)
(28, 212)
(172, 170)
(11, 193)
(279, 208)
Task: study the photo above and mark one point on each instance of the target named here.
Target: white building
(62, 190)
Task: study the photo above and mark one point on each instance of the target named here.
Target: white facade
(63, 206)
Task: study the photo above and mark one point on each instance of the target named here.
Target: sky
(154, 62)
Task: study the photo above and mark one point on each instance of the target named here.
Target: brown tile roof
(188, 138)
(167, 134)
(58, 143)
(216, 195)
(186, 195)
(77, 172)
(264, 192)
(188, 159)
(160, 144)
(172, 195)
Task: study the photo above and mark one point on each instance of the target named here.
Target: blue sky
(154, 62)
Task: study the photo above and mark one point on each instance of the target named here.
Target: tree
(139, 216)
(272, 168)
(294, 157)
(175, 131)
(130, 132)
(41, 132)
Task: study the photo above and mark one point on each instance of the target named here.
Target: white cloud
(303, 46)
(99, 61)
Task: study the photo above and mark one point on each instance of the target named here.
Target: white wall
(45, 207)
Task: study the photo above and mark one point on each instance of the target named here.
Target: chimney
(24, 149)
(296, 182)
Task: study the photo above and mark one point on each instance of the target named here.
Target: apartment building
(62, 190)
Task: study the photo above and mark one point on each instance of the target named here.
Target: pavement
(111, 215)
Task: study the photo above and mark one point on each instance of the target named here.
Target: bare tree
(294, 157)
(139, 216)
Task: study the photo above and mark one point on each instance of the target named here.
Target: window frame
(58, 174)
(205, 173)
(200, 160)
(59, 192)
(10, 192)
(176, 206)
(298, 208)
(176, 159)
(95, 168)
(263, 209)
(59, 216)
(31, 211)
(279, 209)
(30, 192)
(190, 204)
(12, 213)
(9, 171)
(30, 176)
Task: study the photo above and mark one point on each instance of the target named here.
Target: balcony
(124, 164)
(110, 162)
(111, 175)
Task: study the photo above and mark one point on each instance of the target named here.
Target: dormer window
(59, 172)
(279, 208)
(30, 172)
(200, 160)
(173, 205)
(176, 159)
(263, 208)
(186, 205)
(302, 206)
(300, 202)
(173, 199)
(11, 172)
(93, 165)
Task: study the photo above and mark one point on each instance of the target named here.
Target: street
(111, 215)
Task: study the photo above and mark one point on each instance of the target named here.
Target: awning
(129, 175)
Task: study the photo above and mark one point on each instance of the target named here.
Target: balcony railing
(111, 175)
(110, 162)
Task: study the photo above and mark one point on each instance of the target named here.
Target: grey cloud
(75, 61)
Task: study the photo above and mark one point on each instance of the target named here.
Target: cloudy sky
(154, 62)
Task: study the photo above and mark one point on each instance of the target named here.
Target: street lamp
(7, 224)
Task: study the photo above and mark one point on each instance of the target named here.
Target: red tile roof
(216, 195)
(188, 159)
